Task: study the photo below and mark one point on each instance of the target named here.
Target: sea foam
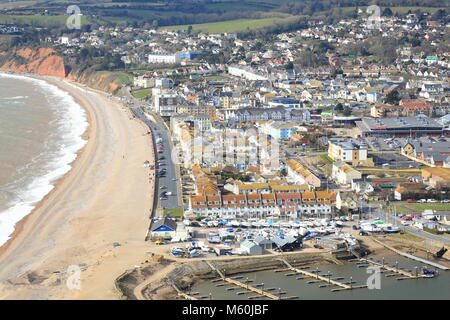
(72, 123)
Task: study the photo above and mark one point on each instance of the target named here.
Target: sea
(41, 131)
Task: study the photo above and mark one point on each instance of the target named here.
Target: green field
(406, 236)
(16, 4)
(175, 212)
(228, 26)
(139, 94)
(37, 20)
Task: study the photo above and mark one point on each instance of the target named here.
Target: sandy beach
(105, 199)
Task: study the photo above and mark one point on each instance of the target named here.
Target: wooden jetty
(251, 288)
(393, 270)
(318, 278)
(240, 284)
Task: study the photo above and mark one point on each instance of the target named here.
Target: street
(169, 180)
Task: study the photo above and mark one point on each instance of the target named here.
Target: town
(298, 141)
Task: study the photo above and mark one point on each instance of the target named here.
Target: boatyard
(275, 259)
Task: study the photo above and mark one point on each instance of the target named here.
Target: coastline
(26, 228)
(18, 227)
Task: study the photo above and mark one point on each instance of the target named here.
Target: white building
(247, 73)
(164, 58)
(342, 173)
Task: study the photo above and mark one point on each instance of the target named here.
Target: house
(297, 174)
(432, 154)
(343, 173)
(262, 205)
(362, 186)
(346, 201)
(165, 228)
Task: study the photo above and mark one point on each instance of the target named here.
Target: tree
(392, 97)
(387, 12)
(347, 111)
(339, 107)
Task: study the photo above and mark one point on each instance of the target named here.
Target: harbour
(337, 281)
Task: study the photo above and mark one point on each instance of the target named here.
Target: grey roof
(248, 244)
(261, 239)
(399, 123)
(166, 222)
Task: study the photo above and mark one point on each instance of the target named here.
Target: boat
(295, 224)
(390, 229)
(427, 273)
(246, 224)
(285, 224)
(235, 224)
(256, 224)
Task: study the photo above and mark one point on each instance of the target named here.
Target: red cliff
(43, 61)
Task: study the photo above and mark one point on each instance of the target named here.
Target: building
(350, 151)
(297, 174)
(282, 130)
(437, 177)
(342, 173)
(201, 122)
(385, 110)
(272, 187)
(164, 58)
(413, 107)
(346, 201)
(143, 82)
(432, 154)
(164, 228)
(246, 72)
(285, 102)
(264, 243)
(250, 247)
(293, 205)
(399, 126)
(265, 114)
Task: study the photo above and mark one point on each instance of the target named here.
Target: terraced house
(255, 205)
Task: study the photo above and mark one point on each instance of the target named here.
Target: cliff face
(46, 61)
(43, 61)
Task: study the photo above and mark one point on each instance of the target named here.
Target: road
(170, 180)
(385, 216)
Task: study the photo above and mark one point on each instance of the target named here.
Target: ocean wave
(71, 125)
(15, 98)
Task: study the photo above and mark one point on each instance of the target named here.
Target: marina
(330, 281)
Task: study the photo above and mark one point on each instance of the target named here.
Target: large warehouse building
(400, 126)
